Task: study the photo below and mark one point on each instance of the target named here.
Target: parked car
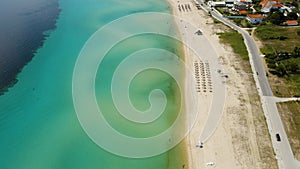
(278, 137)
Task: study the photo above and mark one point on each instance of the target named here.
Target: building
(267, 5)
(243, 12)
(218, 4)
(244, 1)
(291, 22)
(240, 6)
(255, 18)
(229, 3)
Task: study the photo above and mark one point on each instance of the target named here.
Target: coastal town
(258, 12)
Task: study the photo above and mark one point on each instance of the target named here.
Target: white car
(210, 164)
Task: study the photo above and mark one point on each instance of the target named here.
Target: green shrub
(272, 65)
(282, 37)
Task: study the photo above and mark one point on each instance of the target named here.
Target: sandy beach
(240, 138)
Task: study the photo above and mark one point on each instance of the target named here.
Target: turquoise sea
(39, 128)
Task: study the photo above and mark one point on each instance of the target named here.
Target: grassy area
(242, 23)
(236, 41)
(221, 10)
(275, 40)
(289, 112)
(288, 83)
(278, 38)
(282, 87)
(216, 21)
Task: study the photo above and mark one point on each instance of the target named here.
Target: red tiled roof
(291, 22)
(265, 2)
(278, 5)
(243, 12)
(255, 16)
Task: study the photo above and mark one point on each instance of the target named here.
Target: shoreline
(185, 156)
(181, 150)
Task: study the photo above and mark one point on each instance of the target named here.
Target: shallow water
(38, 124)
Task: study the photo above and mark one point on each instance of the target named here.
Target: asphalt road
(284, 154)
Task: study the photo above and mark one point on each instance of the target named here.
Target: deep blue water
(24, 25)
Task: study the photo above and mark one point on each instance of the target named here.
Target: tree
(276, 18)
(295, 4)
(292, 16)
(296, 52)
(280, 69)
(293, 67)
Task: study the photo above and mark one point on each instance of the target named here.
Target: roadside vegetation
(282, 55)
(290, 115)
(216, 21)
(236, 41)
(242, 23)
